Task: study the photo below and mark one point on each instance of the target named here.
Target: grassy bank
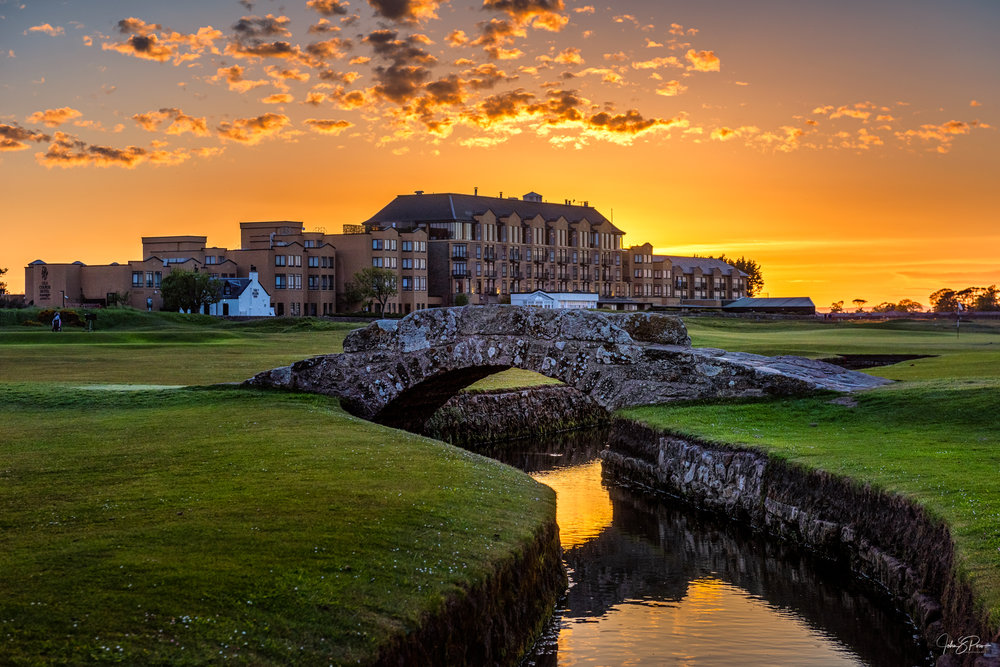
(197, 525)
(934, 436)
(163, 348)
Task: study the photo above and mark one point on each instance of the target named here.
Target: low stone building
(542, 299)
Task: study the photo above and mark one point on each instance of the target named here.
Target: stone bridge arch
(399, 372)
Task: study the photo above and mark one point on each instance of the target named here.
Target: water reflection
(653, 582)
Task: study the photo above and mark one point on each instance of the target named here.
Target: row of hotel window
(312, 261)
(406, 246)
(294, 281)
(418, 263)
(647, 289)
(152, 278)
(461, 268)
(489, 253)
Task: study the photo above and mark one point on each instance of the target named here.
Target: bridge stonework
(399, 372)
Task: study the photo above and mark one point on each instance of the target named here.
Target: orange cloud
(277, 98)
(46, 29)
(12, 137)
(569, 56)
(233, 76)
(848, 112)
(406, 11)
(542, 14)
(328, 126)
(328, 7)
(657, 63)
(180, 122)
(144, 42)
(702, 61)
(671, 88)
(252, 130)
(54, 117)
(67, 151)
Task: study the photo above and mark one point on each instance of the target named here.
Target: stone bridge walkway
(400, 372)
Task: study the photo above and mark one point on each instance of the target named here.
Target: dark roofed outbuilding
(802, 305)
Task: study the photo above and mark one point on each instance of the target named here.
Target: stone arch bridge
(399, 372)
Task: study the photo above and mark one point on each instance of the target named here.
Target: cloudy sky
(850, 147)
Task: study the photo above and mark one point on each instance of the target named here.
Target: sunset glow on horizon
(850, 148)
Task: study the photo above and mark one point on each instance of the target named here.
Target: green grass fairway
(163, 348)
(934, 436)
(146, 525)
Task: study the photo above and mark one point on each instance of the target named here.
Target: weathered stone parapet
(884, 537)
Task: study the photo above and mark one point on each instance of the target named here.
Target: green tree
(190, 291)
(884, 307)
(3, 285)
(944, 301)
(837, 307)
(462, 299)
(909, 306)
(988, 299)
(372, 284)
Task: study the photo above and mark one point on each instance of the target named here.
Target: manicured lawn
(162, 348)
(201, 525)
(933, 437)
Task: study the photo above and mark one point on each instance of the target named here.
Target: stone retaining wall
(882, 536)
(481, 417)
(496, 620)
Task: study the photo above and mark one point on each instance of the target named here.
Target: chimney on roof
(586, 203)
(475, 192)
(418, 192)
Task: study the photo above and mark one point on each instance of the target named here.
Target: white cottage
(543, 299)
(243, 297)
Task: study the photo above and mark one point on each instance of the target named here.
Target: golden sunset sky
(850, 147)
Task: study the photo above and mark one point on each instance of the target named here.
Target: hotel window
(210, 259)
(313, 262)
(279, 260)
(280, 281)
(310, 244)
(313, 282)
(377, 262)
(407, 263)
(407, 284)
(137, 279)
(157, 278)
(390, 244)
(295, 281)
(377, 244)
(149, 278)
(295, 258)
(407, 246)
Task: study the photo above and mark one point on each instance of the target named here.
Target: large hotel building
(442, 248)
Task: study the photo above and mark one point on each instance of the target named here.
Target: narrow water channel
(654, 582)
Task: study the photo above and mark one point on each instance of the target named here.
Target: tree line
(946, 300)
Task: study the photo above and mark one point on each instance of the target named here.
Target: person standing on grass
(56, 322)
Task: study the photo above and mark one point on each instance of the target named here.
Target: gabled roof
(706, 264)
(452, 207)
(233, 287)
